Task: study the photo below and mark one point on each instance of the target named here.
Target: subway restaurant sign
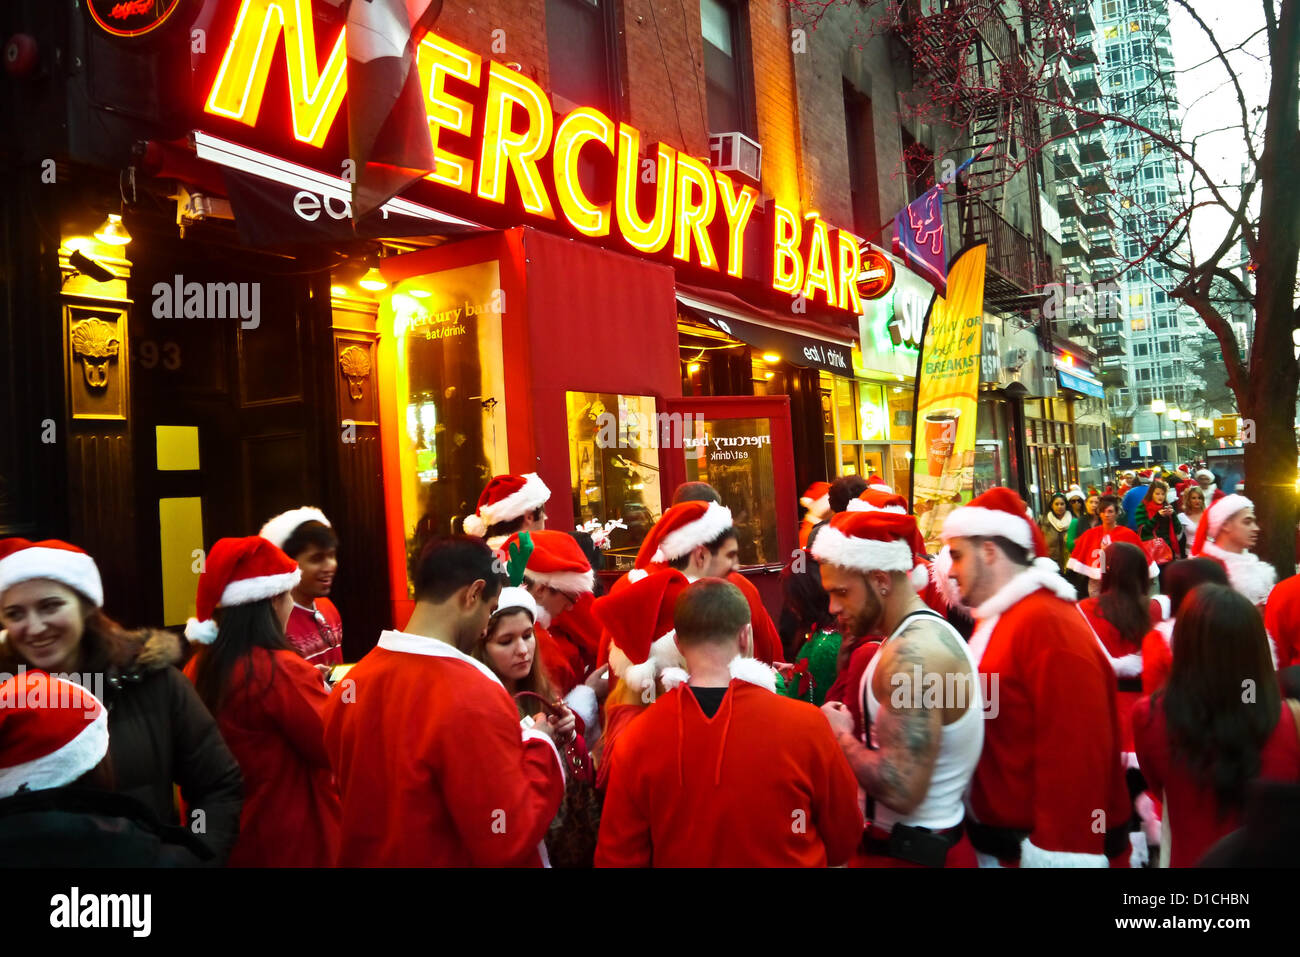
(499, 148)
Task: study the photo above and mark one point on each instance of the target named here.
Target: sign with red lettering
(131, 18)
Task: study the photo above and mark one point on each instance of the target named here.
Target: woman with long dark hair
(1176, 583)
(160, 734)
(1219, 724)
(1055, 523)
(1120, 617)
(268, 701)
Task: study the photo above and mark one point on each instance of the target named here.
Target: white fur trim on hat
(1224, 509)
(1206, 472)
(533, 494)
(862, 505)
(705, 529)
(201, 632)
(1074, 493)
(77, 570)
(1033, 856)
(862, 554)
(571, 583)
(941, 575)
(277, 530)
(248, 590)
(65, 764)
(973, 521)
(636, 574)
(515, 598)
(881, 487)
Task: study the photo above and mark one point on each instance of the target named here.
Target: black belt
(1130, 684)
(890, 846)
(1004, 842)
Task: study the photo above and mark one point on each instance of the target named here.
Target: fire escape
(988, 47)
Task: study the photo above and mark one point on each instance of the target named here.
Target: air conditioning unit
(736, 153)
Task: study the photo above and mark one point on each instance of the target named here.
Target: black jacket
(85, 827)
(160, 734)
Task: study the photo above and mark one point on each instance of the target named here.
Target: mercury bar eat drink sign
(497, 142)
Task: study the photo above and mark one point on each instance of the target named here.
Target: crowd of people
(971, 708)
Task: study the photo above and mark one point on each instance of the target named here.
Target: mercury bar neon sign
(695, 214)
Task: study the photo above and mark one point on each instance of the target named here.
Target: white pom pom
(201, 632)
(640, 677)
(920, 576)
(475, 527)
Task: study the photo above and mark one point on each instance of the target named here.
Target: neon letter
(576, 129)
(692, 217)
(787, 263)
(849, 263)
(314, 94)
(507, 90)
(438, 59)
(819, 263)
(738, 210)
(647, 236)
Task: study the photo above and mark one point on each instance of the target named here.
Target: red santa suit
(1125, 661)
(432, 765)
(1049, 789)
(270, 719)
(1247, 574)
(1088, 549)
(681, 529)
(1282, 620)
(760, 784)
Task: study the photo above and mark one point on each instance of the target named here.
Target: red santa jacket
(1051, 760)
(432, 766)
(1282, 620)
(557, 658)
(761, 784)
(271, 721)
(767, 641)
(1086, 557)
(580, 629)
(1126, 664)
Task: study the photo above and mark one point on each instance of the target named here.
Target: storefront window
(450, 396)
(614, 467)
(991, 447)
(901, 401)
(735, 457)
(873, 414)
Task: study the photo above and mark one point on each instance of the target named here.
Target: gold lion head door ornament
(354, 362)
(96, 342)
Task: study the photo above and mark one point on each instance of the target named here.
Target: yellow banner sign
(947, 395)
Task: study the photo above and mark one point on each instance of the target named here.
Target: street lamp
(1158, 407)
(1175, 416)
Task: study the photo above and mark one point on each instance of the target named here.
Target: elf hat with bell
(506, 498)
(22, 561)
(682, 529)
(639, 619)
(52, 731)
(874, 541)
(238, 571)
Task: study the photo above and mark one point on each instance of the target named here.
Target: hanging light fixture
(373, 280)
(113, 231)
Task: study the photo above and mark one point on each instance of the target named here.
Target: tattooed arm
(909, 723)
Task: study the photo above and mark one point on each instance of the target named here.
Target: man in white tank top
(920, 695)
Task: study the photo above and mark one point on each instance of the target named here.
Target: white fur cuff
(1034, 856)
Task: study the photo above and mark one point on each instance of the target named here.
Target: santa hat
(506, 498)
(22, 560)
(877, 540)
(1075, 492)
(515, 598)
(1206, 472)
(639, 619)
(239, 571)
(558, 561)
(999, 512)
(52, 731)
(817, 500)
(683, 528)
(1214, 517)
(278, 530)
(874, 481)
(874, 500)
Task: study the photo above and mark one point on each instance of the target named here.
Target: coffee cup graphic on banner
(940, 437)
